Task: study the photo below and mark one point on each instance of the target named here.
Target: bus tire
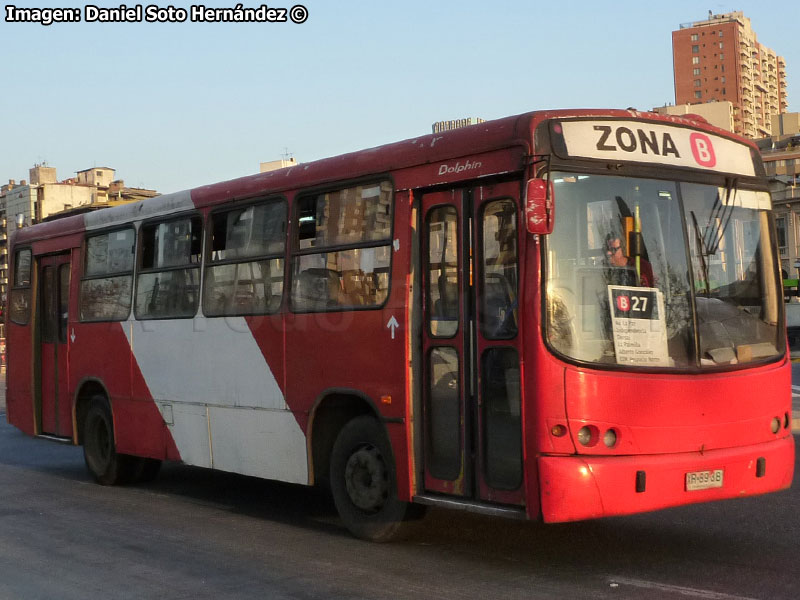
(364, 485)
(99, 450)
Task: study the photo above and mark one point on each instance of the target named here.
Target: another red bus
(559, 315)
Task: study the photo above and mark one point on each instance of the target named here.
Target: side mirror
(540, 209)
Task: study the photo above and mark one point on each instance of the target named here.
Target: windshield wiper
(702, 247)
(720, 217)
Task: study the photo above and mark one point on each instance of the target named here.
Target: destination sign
(639, 326)
(645, 142)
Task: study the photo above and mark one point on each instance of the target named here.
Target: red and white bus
(559, 315)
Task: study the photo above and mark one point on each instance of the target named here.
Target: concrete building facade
(781, 155)
(40, 174)
(96, 176)
(720, 59)
(786, 124)
(719, 114)
(274, 165)
(20, 201)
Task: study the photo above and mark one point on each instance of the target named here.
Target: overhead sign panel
(640, 141)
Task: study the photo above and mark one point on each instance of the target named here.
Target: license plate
(703, 480)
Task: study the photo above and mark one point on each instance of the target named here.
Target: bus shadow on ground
(645, 542)
(299, 505)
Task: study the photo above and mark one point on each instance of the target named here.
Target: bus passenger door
(497, 343)
(472, 416)
(55, 414)
(446, 379)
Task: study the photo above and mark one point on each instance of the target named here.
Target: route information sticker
(639, 327)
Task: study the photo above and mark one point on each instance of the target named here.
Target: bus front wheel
(99, 450)
(363, 483)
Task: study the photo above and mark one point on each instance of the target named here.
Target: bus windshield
(655, 273)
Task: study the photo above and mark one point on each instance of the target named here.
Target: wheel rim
(367, 479)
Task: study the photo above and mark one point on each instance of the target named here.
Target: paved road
(201, 534)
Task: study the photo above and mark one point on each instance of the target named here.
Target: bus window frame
(294, 250)
(14, 287)
(85, 256)
(207, 262)
(138, 270)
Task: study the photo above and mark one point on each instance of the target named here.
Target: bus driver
(618, 259)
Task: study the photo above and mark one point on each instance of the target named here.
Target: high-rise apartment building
(720, 59)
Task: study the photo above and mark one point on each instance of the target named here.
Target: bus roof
(474, 139)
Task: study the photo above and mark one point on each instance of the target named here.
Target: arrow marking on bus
(393, 325)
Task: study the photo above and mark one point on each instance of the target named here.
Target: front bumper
(587, 487)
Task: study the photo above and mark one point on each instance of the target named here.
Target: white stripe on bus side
(211, 380)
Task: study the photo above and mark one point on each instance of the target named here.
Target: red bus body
(267, 394)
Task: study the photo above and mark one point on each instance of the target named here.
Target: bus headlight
(610, 438)
(587, 435)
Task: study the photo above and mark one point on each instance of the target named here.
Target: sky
(173, 106)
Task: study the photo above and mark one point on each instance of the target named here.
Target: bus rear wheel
(99, 450)
(364, 485)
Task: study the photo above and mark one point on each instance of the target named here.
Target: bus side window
(20, 303)
(244, 273)
(107, 281)
(342, 254)
(168, 283)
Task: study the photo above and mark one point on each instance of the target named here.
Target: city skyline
(175, 106)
